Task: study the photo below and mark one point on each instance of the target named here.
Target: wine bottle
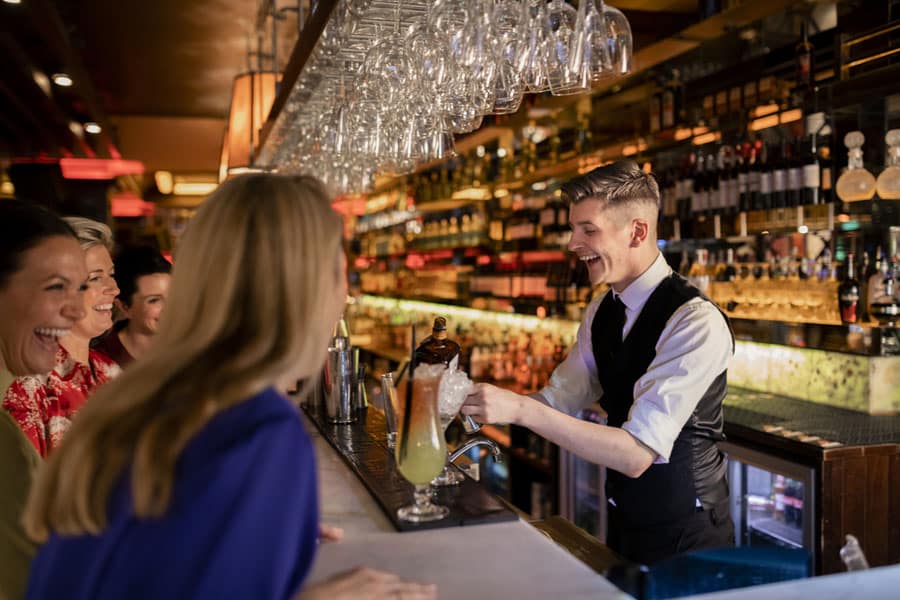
(803, 59)
(848, 295)
(812, 173)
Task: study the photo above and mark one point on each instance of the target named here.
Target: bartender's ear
(640, 231)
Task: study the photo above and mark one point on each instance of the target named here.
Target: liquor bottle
(803, 58)
(812, 173)
(779, 177)
(698, 194)
(795, 174)
(855, 183)
(723, 161)
(655, 112)
(730, 268)
(712, 184)
(684, 267)
(848, 295)
(698, 274)
(742, 166)
(888, 184)
(764, 199)
(754, 177)
(875, 284)
(671, 101)
(687, 190)
(863, 271)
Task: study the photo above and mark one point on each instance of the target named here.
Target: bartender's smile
(597, 239)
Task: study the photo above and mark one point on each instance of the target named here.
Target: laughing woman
(44, 405)
(41, 278)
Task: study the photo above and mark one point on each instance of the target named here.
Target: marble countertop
(505, 560)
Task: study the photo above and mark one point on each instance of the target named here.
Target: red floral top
(44, 405)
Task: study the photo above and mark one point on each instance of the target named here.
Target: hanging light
(251, 99)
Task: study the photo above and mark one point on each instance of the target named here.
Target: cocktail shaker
(339, 399)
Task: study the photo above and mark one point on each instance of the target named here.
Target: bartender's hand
(370, 584)
(488, 403)
(330, 533)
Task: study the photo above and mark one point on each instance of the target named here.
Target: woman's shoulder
(264, 424)
(25, 389)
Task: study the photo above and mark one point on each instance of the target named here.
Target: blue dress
(243, 520)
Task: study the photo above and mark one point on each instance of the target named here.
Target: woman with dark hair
(44, 405)
(42, 275)
(143, 277)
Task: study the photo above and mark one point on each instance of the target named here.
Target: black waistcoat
(664, 493)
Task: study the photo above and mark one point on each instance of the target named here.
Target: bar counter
(506, 560)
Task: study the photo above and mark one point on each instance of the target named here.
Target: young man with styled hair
(654, 351)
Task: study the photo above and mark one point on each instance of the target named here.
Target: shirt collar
(638, 291)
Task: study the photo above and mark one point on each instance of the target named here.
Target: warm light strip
(764, 123)
(514, 321)
(472, 193)
(193, 188)
(766, 109)
(790, 116)
(706, 138)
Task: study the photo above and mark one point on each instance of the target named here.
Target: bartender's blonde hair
(251, 272)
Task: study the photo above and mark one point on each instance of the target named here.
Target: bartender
(655, 352)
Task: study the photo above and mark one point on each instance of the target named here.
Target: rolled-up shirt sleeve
(694, 348)
(574, 383)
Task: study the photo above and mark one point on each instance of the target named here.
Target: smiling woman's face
(100, 293)
(41, 303)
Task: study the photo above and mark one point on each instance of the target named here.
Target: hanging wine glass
(619, 38)
(596, 59)
(561, 32)
(508, 85)
(532, 57)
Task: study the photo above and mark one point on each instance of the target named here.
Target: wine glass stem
(422, 496)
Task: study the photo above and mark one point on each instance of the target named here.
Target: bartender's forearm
(609, 446)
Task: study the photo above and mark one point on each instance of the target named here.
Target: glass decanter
(888, 185)
(855, 183)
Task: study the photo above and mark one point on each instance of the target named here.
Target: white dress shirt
(694, 348)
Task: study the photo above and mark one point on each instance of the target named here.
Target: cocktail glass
(421, 450)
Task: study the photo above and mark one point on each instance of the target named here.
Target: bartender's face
(601, 240)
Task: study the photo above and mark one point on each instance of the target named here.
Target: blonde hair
(245, 308)
(90, 233)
